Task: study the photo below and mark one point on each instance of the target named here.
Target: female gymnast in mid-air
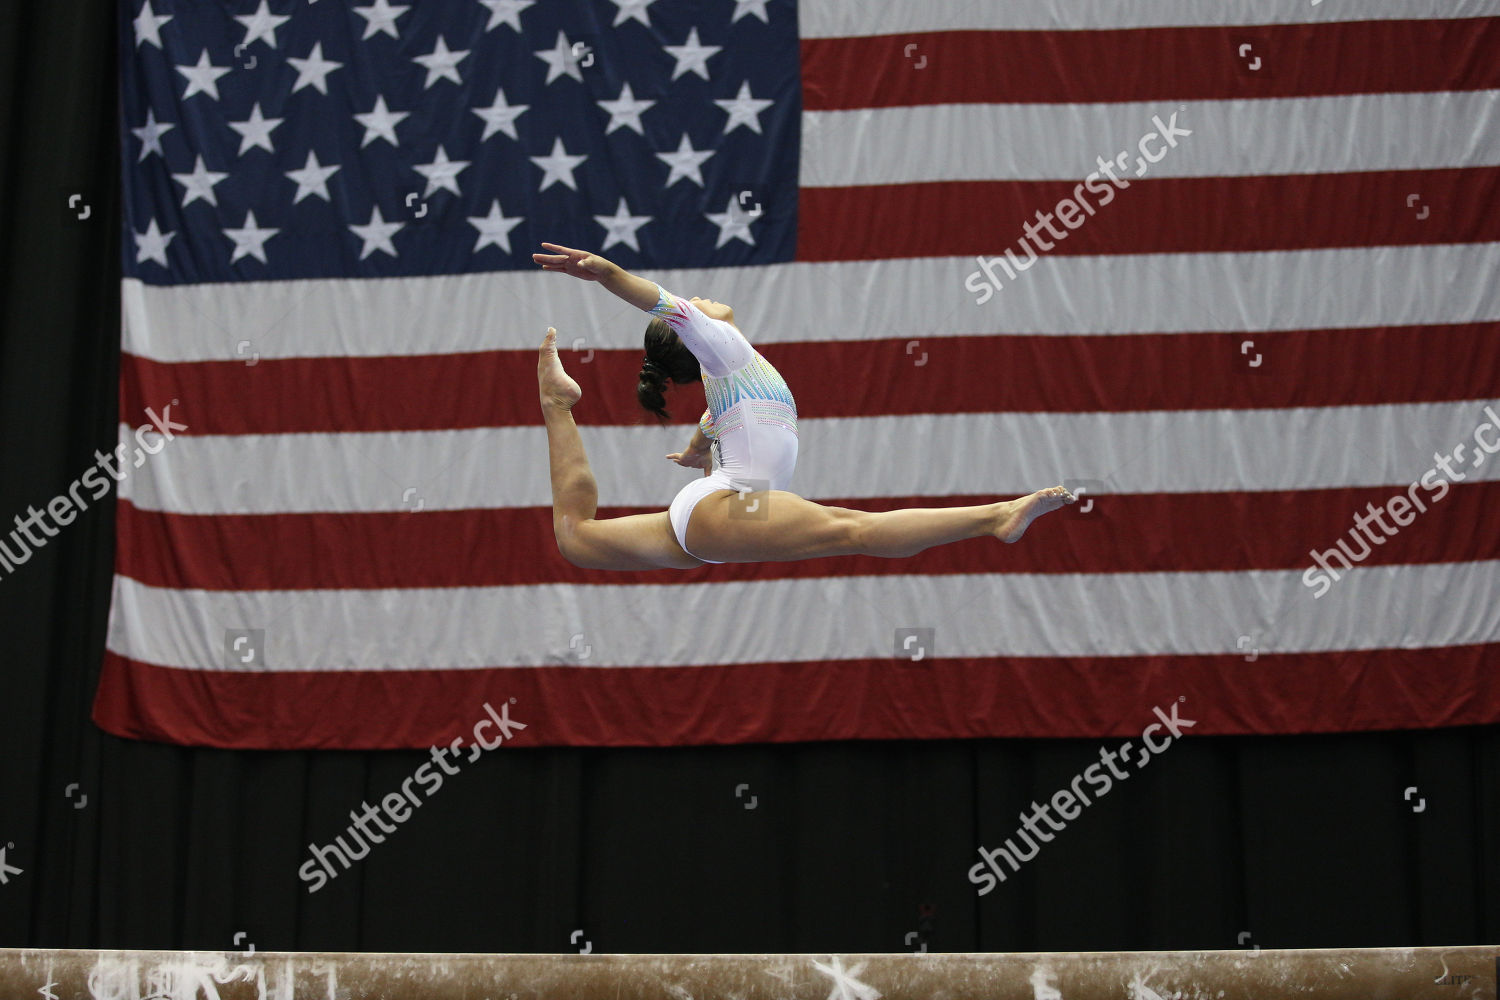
(740, 512)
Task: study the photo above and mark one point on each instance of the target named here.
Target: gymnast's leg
(637, 542)
(797, 528)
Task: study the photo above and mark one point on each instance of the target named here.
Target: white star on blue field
(279, 139)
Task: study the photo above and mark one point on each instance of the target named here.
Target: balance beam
(1464, 973)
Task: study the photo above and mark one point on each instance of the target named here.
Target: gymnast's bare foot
(1016, 515)
(557, 387)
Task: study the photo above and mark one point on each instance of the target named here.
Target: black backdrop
(1297, 842)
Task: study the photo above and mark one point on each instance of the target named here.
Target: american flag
(1269, 305)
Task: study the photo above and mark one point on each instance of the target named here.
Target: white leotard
(751, 415)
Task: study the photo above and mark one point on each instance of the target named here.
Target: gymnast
(741, 511)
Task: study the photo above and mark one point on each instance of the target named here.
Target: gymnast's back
(751, 416)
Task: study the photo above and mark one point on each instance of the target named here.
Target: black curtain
(838, 847)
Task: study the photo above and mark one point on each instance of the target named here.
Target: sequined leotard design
(751, 415)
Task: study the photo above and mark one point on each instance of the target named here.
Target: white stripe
(999, 454)
(1294, 135)
(787, 620)
(845, 300)
(846, 18)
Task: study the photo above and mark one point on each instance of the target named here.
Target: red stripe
(1091, 697)
(423, 392)
(515, 547)
(1146, 64)
(1154, 215)
(1072, 373)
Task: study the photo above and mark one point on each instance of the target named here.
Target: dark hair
(667, 357)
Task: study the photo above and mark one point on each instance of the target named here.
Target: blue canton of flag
(322, 139)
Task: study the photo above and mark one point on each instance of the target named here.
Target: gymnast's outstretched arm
(591, 267)
(718, 345)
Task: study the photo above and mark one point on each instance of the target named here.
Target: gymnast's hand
(694, 458)
(578, 263)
